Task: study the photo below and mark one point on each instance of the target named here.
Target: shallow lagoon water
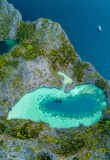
(6, 46)
(81, 105)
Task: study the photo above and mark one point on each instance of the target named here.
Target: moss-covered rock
(9, 19)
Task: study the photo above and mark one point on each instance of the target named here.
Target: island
(45, 58)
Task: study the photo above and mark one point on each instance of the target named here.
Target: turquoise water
(80, 19)
(6, 46)
(70, 107)
(81, 105)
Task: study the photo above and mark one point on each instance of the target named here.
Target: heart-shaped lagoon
(81, 105)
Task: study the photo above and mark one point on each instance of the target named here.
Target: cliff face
(9, 19)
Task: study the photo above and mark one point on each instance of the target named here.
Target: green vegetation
(1, 141)
(18, 148)
(79, 70)
(26, 130)
(63, 56)
(21, 128)
(70, 145)
(71, 141)
(7, 65)
(43, 157)
(102, 83)
(92, 75)
(5, 22)
(25, 31)
(29, 49)
(2, 128)
(67, 142)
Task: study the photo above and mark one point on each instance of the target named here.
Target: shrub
(79, 70)
(25, 31)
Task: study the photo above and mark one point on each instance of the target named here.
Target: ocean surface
(80, 20)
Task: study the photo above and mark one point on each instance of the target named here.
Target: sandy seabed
(28, 107)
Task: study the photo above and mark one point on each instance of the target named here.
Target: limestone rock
(9, 19)
(49, 33)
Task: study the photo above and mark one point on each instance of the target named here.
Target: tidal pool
(81, 105)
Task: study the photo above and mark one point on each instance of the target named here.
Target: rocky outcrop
(49, 33)
(9, 19)
(28, 76)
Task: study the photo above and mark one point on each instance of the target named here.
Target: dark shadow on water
(58, 101)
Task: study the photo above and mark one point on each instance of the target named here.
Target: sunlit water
(81, 105)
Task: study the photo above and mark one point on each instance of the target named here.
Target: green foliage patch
(25, 31)
(5, 21)
(21, 128)
(71, 141)
(102, 83)
(79, 70)
(7, 64)
(63, 56)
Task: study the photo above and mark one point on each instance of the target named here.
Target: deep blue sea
(80, 20)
